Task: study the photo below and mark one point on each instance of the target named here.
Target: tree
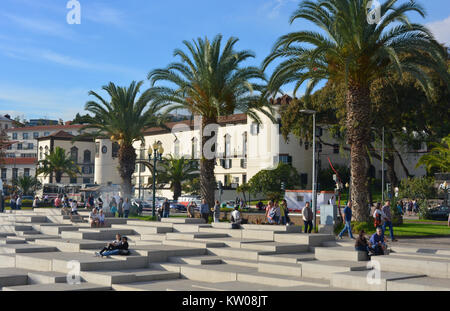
(355, 53)
(438, 158)
(192, 187)
(27, 184)
(269, 182)
(211, 82)
(176, 171)
(4, 143)
(58, 163)
(123, 118)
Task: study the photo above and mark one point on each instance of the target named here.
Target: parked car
(439, 212)
(176, 207)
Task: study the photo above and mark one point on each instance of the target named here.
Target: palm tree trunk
(127, 163)
(207, 165)
(358, 130)
(58, 176)
(176, 190)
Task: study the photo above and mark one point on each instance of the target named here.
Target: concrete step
(134, 222)
(233, 242)
(276, 247)
(48, 277)
(234, 233)
(193, 235)
(311, 239)
(26, 248)
(237, 253)
(127, 276)
(197, 260)
(340, 253)
(26, 232)
(6, 234)
(47, 211)
(276, 228)
(143, 229)
(59, 287)
(280, 281)
(56, 230)
(98, 235)
(13, 277)
(419, 284)
(368, 280)
(161, 253)
(72, 245)
(325, 269)
(153, 237)
(189, 227)
(32, 238)
(7, 260)
(180, 220)
(6, 241)
(27, 218)
(194, 243)
(289, 269)
(287, 258)
(432, 267)
(240, 262)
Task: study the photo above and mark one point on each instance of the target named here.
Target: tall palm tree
(26, 184)
(123, 117)
(176, 171)
(59, 163)
(353, 51)
(438, 158)
(211, 82)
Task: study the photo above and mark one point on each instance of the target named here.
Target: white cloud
(272, 9)
(103, 15)
(35, 54)
(441, 30)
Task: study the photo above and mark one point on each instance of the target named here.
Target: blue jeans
(166, 214)
(283, 220)
(348, 228)
(109, 253)
(126, 213)
(391, 230)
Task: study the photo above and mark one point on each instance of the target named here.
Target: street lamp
(157, 152)
(314, 204)
(140, 167)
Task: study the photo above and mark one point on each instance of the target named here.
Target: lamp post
(140, 168)
(382, 167)
(157, 151)
(314, 204)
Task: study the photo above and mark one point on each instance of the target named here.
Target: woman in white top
(74, 209)
(35, 202)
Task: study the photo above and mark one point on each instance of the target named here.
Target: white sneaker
(97, 254)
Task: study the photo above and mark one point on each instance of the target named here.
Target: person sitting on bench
(111, 245)
(236, 218)
(121, 249)
(362, 244)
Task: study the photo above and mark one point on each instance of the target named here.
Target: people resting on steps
(101, 219)
(93, 218)
(361, 244)
(121, 249)
(236, 219)
(111, 245)
(74, 209)
(377, 244)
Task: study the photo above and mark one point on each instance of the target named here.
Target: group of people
(277, 213)
(117, 247)
(16, 202)
(120, 207)
(376, 245)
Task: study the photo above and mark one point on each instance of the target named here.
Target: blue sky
(48, 66)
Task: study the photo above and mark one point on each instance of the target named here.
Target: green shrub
(424, 212)
(357, 226)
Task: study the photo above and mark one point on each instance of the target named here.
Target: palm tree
(353, 51)
(438, 158)
(211, 82)
(26, 184)
(58, 163)
(122, 118)
(176, 171)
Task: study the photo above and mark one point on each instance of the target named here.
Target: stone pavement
(41, 250)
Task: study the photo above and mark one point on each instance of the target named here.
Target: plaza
(38, 250)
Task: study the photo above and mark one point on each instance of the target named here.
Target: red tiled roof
(44, 127)
(235, 118)
(61, 134)
(18, 161)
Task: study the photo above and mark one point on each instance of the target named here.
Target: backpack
(377, 221)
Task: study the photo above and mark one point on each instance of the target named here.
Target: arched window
(74, 154)
(194, 148)
(46, 150)
(87, 156)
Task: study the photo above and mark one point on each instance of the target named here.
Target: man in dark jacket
(166, 209)
(347, 221)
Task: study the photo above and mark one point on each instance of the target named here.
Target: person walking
(388, 219)
(12, 202)
(120, 208)
(58, 202)
(204, 210)
(126, 207)
(217, 211)
(307, 218)
(36, 202)
(347, 221)
(19, 202)
(166, 209)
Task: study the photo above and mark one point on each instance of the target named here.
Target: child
(101, 219)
